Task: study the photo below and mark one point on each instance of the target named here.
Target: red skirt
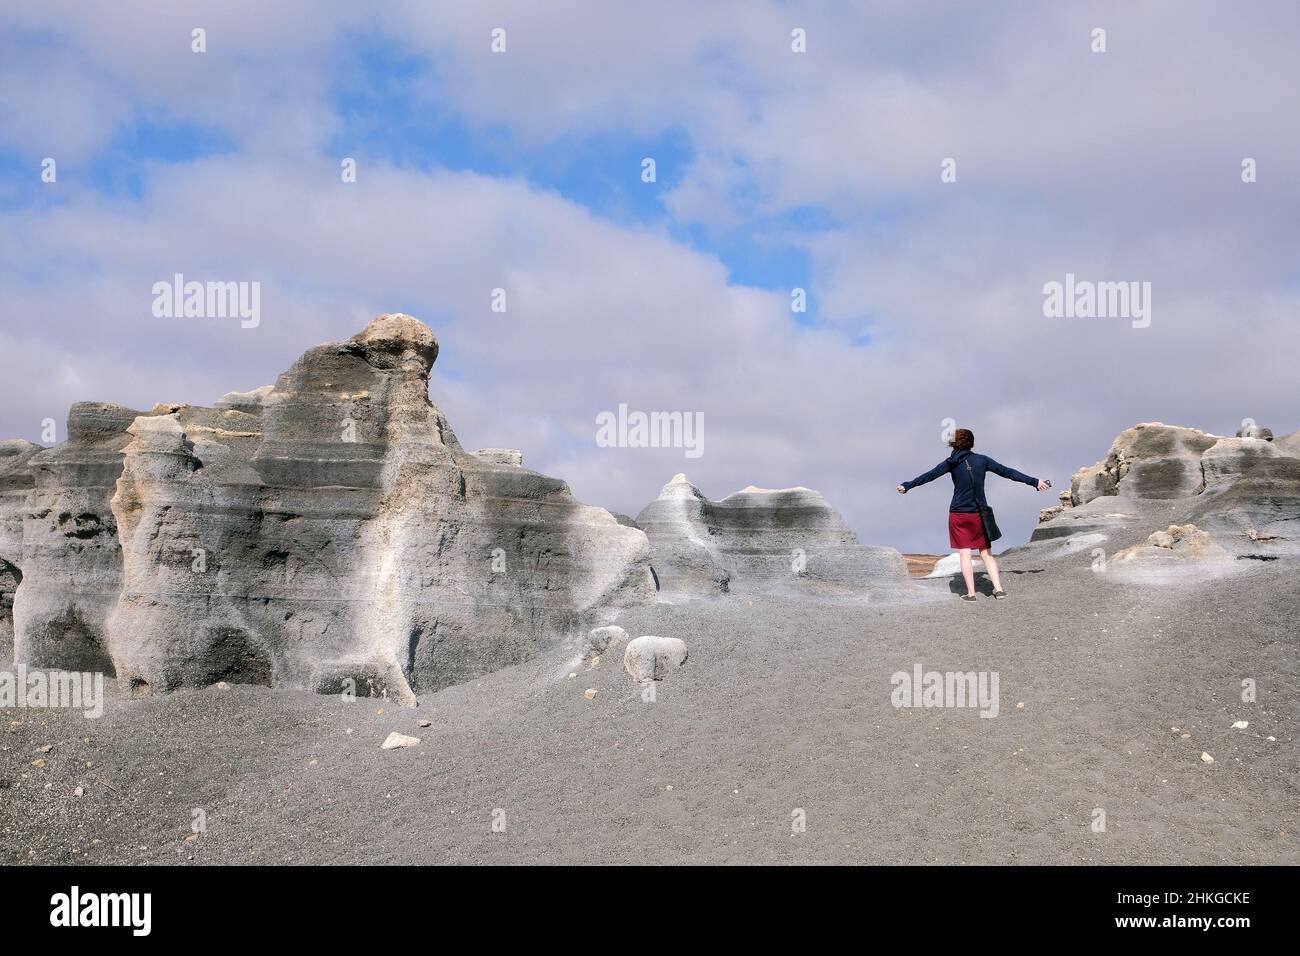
(966, 530)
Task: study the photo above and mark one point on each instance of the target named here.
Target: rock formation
(326, 532)
(1242, 494)
(68, 552)
(1153, 460)
(501, 456)
(16, 482)
(786, 541)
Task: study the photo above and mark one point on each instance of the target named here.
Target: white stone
(950, 564)
(653, 658)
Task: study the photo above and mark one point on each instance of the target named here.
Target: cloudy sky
(775, 170)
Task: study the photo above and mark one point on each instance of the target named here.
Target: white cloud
(1120, 166)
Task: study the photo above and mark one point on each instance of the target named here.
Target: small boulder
(653, 658)
(1047, 514)
(396, 740)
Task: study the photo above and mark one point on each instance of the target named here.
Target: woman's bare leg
(967, 569)
(991, 568)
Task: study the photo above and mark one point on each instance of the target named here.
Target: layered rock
(70, 559)
(786, 540)
(501, 456)
(16, 482)
(1289, 444)
(1243, 493)
(1146, 461)
(327, 532)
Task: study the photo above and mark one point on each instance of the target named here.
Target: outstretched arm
(930, 475)
(1010, 473)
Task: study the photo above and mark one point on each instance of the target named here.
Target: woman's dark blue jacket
(964, 494)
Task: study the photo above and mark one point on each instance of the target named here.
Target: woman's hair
(962, 439)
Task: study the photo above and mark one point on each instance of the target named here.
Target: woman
(965, 528)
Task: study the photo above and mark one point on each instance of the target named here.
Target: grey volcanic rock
(688, 557)
(760, 540)
(501, 456)
(1231, 458)
(16, 482)
(328, 532)
(626, 520)
(1252, 492)
(1288, 444)
(10, 577)
(70, 560)
(1151, 460)
(245, 401)
(1242, 493)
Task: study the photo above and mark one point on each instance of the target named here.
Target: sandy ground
(919, 565)
(782, 714)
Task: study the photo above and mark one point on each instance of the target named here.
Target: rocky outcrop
(502, 456)
(786, 541)
(16, 483)
(1289, 444)
(327, 532)
(1229, 459)
(1146, 461)
(70, 559)
(1242, 495)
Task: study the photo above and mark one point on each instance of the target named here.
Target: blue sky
(775, 170)
(391, 108)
